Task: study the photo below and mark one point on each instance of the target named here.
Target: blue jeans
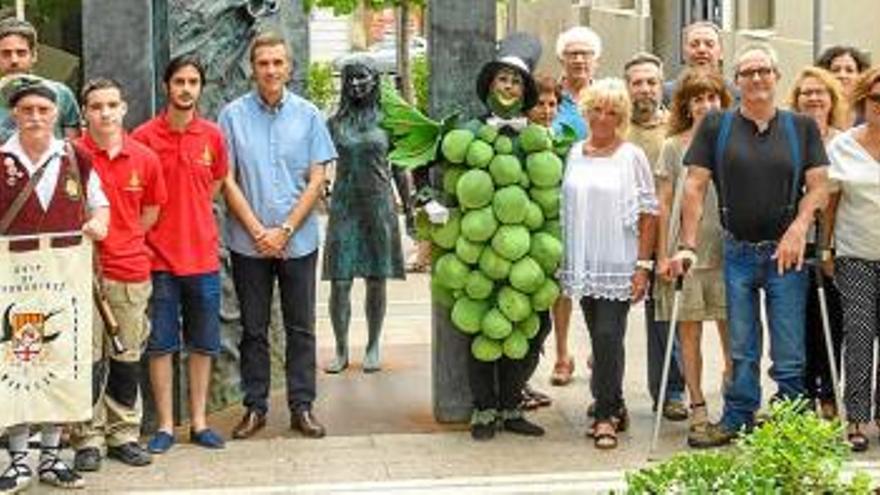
(747, 268)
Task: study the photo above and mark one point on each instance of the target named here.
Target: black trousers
(817, 373)
(606, 322)
(254, 280)
(498, 385)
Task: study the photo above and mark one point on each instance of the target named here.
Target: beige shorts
(128, 301)
(702, 297)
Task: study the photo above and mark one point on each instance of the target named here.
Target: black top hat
(14, 88)
(519, 52)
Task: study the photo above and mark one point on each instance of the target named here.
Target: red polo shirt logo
(207, 156)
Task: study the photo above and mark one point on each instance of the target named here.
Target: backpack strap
(787, 121)
(720, 145)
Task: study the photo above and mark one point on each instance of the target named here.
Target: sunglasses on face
(874, 97)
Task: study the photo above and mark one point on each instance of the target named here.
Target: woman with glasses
(852, 213)
(816, 92)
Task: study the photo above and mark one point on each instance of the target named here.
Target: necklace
(591, 149)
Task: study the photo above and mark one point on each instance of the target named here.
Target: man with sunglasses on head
(18, 54)
(769, 168)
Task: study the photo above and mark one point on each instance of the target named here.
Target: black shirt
(757, 171)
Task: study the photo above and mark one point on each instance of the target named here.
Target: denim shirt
(570, 115)
(271, 150)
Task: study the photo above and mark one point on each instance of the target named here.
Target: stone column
(461, 39)
(118, 43)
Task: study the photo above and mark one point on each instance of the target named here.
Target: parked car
(384, 53)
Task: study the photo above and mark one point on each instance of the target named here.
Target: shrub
(793, 452)
(320, 85)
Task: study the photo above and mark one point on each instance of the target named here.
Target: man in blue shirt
(279, 147)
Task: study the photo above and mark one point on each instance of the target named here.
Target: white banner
(45, 342)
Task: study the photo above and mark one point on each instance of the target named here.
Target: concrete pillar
(118, 43)
(461, 39)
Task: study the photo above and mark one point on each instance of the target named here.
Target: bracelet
(685, 247)
(287, 228)
(647, 265)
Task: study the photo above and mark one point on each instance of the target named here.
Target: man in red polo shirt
(132, 178)
(185, 244)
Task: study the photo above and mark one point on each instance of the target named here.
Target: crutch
(667, 359)
(823, 310)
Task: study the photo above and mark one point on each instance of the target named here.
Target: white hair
(579, 34)
(762, 47)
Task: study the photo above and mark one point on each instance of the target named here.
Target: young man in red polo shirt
(132, 178)
(185, 244)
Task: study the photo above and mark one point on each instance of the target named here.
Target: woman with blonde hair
(608, 217)
(697, 93)
(818, 93)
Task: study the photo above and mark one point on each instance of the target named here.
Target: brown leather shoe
(250, 423)
(306, 423)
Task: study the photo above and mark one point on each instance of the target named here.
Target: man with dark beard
(644, 81)
(184, 245)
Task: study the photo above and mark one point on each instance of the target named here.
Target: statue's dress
(363, 235)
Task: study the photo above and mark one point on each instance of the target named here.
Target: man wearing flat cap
(46, 186)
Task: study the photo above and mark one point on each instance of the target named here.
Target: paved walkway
(382, 437)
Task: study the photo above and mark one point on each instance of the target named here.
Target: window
(757, 14)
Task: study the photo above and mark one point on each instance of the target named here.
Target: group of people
(696, 177)
(147, 199)
(710, 180)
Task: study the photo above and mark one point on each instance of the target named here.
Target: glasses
(587, 54)
(763, 72)
(807, 93)
(874, 97)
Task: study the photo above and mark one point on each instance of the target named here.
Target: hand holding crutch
(679, 265)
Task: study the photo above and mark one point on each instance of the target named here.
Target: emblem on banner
(26, 333)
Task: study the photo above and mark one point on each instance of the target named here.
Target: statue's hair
(357, 114)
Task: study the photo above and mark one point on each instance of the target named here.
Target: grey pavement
(382, 437)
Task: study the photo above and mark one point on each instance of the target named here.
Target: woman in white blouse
(608, 223)
(854, 215)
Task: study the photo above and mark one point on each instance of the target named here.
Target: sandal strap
(52, 465)
(696, 405)
(18, 465)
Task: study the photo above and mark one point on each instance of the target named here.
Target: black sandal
(53, 471)
(858, 441)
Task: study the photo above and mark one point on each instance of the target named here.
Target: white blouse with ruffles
(602, 198)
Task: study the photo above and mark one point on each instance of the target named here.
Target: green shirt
(68, 113)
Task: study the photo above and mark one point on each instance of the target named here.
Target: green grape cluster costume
(496, 255)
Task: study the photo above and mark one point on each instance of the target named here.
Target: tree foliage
(343, 7)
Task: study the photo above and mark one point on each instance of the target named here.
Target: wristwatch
(287, 228)
(647, 265)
